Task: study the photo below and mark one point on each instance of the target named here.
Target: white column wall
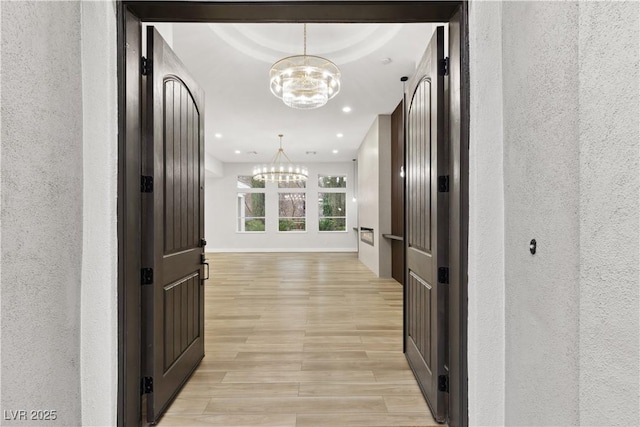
(42, 209)
(608, 54)
(554, 120)
(541, 175)
(99, 304)
(486, 327)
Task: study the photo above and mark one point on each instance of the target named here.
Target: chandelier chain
(305, 39)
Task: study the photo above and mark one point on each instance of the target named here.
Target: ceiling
(231, 63)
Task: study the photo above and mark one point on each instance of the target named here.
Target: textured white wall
(374, 195)
(608, 54)
(41, 215)
(541, 176)
(221, 215)
(486, 343)
(99, 306)
(59, 181)
(552, 121)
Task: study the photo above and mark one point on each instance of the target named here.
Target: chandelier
(280, 169)
(305, 81)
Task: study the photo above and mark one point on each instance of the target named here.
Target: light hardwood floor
(300, 340)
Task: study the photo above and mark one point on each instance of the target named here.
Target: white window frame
(342, 190)
(240, 212)
(305, 217)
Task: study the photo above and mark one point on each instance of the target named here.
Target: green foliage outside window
(254, 204)
(288, 224)
(251, 212)
(292, 212)
(254, 225)
(332, 224)
(332, 210)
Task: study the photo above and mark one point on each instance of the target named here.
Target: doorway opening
(131, 16)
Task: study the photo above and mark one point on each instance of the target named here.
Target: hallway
(304, 339)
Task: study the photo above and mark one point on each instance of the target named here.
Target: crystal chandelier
(305, 81)
(280, 169)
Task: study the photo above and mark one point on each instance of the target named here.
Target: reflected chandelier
(280, 169)
(305, 81)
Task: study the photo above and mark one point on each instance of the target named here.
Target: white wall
(221, 215)
(59, 181)
(554, 342)
(486, 344)
(541, 157)
(213, 167)
(99, 305)
(41, 214)
(609, 212)
(374, 195)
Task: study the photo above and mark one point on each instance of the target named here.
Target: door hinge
(443, 275)
(146, 184)
(146, 385)
(147, 276)
(443, 184)
(443, 67)
(443, 383)
(145, 66)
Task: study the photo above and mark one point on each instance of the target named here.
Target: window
(250, 205)
(332, 203)
(251, 212)
(292, 212)
(292, 184)
(248, 182)
(332, 211)
(328, 181)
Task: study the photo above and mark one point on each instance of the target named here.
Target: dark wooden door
(173, 225)
(427, 226)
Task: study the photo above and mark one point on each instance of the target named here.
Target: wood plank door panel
(426, 225)
(173, 225)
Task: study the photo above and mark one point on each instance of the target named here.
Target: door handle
(203, 261)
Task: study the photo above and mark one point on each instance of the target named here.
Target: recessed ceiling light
(335, 151)
(237, 151)
(218, 135)
(339, 135)
(346, 109)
